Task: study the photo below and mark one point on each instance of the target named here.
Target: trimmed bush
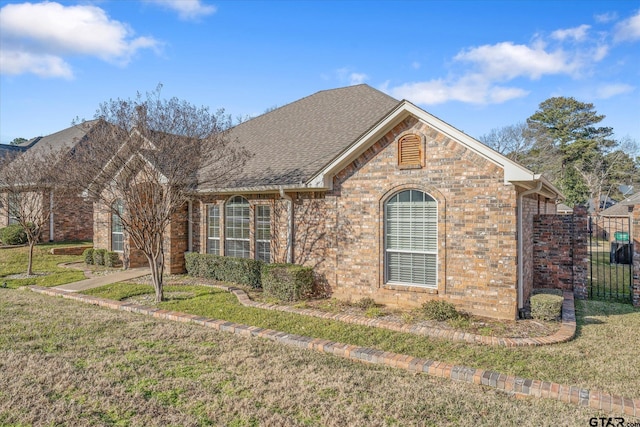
(98, 256)
(546, 306)
(88, 256)
(287, 282)
(440, 310)
(227, 269)
(111, 259)
(13, 235)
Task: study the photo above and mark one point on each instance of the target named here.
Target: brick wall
(477, 247)
(560, 255)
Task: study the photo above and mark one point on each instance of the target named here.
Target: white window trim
(386, 251)
(257, 207)
(208, 225)
(228, 239)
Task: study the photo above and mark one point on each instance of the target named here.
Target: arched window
(411, 239)
(237, 224)
(117, 231)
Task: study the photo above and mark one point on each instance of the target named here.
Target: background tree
(27, 181)
(17, 141)
(566, 127)
(152, 155)
(562, 141)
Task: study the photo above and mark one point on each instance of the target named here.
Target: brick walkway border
(566, 332)
(507, 383)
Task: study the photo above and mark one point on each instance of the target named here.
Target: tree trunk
(32, 243)
(156, 264)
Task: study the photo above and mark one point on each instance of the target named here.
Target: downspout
(521, 244)
(289, 225)
(51, 221)
(189, 226)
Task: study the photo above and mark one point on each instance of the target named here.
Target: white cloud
(611, 90)
(187, 9)
(37, 37)
(606, 17)
(577, 34)
(357, 78)
(507, 61)
(15, 62)
(472, 89)
(629, 29)
(346, 74)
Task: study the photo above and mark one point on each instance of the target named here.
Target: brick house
(383, 199)
(70, 218)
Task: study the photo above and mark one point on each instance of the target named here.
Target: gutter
(51, 220)
(289, 225)
(521, 243)
(190, 226)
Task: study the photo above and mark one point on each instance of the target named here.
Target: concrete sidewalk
(108, 279)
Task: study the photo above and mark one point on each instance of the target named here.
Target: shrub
(88, 256)
(13, 235)
(287, 282)
(546, 306)
(440, 310)
(373, 312)
(365, 303)
(227, 269)
(98, 256)
(111, 259)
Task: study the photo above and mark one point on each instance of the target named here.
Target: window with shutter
(410, 153)
(411, 239)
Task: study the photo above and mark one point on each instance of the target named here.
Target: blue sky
(477, 65)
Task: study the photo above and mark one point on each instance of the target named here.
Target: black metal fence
(611, 258)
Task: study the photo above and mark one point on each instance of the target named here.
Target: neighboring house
(70, 218)
(563, 209)
(383, 199)
(614, 223)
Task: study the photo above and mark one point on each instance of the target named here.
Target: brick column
(580, 251)
(634, 215)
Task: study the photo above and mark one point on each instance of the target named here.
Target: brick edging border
(507, 383)
(566, 332)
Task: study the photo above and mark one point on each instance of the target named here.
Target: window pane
(263, 233)
(117, 230)
(237, 227)
(213, 246)
(411, 238)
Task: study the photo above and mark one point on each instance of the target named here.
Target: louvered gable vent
(410, 151)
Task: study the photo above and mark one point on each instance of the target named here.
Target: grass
(606, 280)
(45, 266)
(602, 357)
(64, 363)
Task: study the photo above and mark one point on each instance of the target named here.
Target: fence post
(580, 251)
(634, 216)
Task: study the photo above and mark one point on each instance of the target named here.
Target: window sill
(410, 288)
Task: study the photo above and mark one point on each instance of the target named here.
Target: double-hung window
(411, 239)
(213, 227)
(117, 230)
(237, 223)
(263, 233)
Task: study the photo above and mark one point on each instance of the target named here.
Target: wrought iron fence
(611, 258)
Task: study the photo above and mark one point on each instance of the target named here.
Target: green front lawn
(602, 357)
(45, 266)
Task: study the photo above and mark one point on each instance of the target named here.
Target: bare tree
(27, 183)
(147, 159)
(510, 140)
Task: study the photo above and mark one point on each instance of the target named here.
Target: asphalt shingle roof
(622, 208)
(291, 143)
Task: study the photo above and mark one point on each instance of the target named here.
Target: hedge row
(101, 257)
(287, 282)
(546, 304)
